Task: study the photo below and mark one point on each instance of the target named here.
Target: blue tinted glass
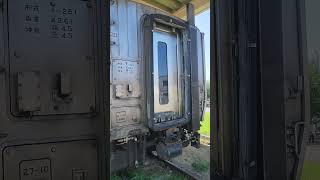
(163, 73)
(162, 59)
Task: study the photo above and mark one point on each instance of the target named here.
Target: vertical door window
(163, 73)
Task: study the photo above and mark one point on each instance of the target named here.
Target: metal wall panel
(132, 30)
(123, 28)
(283, 84)
(1, 40)
(197, 78)
(51, 161)
(126, 70)
(114, 30)
(124, 116)
(30, 138)
(53, 38)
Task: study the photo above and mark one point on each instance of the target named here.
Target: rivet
(8, 152)
(53, 149)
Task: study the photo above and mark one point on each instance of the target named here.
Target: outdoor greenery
(314, 89)
(208, 89)
(148, 174)
(200, 165)
(205, 124)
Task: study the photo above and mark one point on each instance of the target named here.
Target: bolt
(53, 149)
(8, 152)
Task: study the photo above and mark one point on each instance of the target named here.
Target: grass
(205, 124)
(149, 174)
(200, 165)
(163, 173)
(310, 171)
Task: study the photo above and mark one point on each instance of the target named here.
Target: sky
(202, 21)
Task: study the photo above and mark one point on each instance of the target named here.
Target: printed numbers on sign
(66, 35)
(35, 171)
(66, 11)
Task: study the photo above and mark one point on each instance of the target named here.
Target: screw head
(53, 149)
(8, 152)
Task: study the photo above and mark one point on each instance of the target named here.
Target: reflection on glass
(163, 73)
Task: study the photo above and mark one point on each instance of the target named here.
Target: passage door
(165, 73)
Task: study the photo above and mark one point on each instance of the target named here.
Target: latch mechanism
(63, 91)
